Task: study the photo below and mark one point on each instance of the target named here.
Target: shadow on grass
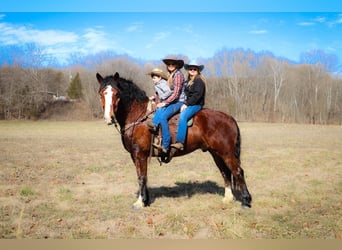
(186, 189)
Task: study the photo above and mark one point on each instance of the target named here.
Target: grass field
(73, 180)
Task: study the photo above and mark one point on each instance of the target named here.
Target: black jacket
(195, 94)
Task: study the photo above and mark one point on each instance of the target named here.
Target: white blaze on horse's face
(108, 106)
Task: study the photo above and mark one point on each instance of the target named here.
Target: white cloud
(330, 49)
(61, 44)
(306, 23)
(95, 40)
(16, 35)
(160, 36)
(135, 27)
(258, 32)
(339, 19)
(320, 19)
(187, 29)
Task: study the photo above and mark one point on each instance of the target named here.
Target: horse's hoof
(246, 206)
(136, 208)
(226, 200)
(138, 204)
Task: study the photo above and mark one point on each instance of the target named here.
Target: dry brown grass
(74, 180)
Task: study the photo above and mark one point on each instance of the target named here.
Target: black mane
(128, 90)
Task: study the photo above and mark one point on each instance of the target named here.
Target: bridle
(113, 120)
(141, 118)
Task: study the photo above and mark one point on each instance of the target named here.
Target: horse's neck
(131, 114)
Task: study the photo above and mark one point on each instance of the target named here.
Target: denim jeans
(161, 117)
(185, 115)
(156, 116)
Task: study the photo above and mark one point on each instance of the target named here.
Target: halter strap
(115, 122)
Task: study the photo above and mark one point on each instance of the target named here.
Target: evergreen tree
(74, 90)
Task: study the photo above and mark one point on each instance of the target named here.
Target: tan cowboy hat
(173, 59)
(157, 72)
(193, 63)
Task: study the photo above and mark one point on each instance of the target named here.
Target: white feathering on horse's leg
(139, 203)
(228, 196)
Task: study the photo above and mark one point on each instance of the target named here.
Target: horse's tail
(237, 148)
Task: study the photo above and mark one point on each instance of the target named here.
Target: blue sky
(151, 30)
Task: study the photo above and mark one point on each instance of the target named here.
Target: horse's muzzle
(108, 120)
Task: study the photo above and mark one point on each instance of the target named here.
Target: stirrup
(164, 150)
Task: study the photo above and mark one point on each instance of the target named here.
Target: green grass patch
(65, 194)
(26, 192)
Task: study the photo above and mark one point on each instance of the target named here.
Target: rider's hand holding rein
(161, 104)
(184, 106)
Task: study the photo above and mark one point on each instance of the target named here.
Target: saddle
(156, 138)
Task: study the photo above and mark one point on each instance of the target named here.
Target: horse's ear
(99, 78)
(116, 76)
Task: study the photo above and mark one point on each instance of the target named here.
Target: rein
(128, 126)
(132, 124)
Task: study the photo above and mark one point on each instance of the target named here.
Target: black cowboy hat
(172, 59)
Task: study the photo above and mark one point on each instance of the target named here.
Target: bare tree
(278, 71)
(251, 87)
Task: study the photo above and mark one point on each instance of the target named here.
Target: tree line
(249, 86)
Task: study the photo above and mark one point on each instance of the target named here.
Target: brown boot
(160, 147)
(151, 126)
(178, 145)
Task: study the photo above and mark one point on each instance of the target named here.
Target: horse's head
(109, 94)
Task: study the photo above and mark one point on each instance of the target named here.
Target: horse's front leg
(140, 162)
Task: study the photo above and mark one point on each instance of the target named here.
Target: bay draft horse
(125, 103)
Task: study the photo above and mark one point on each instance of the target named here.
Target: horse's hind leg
(226, 174)
(239, 186)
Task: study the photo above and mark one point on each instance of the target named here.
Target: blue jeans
(161, 117)
(157, 115)
(185, 115)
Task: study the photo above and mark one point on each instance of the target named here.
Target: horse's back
(211, 129)
(218, 130)
(209, 121)
(214, 120)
